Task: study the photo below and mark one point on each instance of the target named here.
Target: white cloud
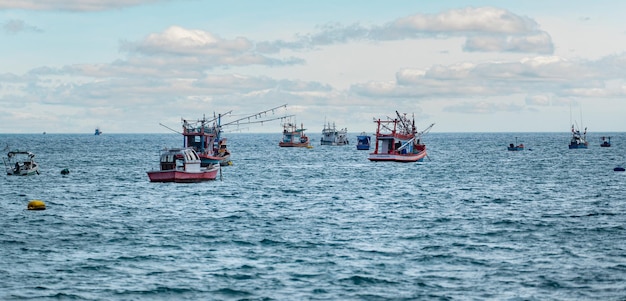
(486, 29)
(466, 20)
(178, 47)
(483, 107)
(546, 81)
(72, 5)
(16, 26)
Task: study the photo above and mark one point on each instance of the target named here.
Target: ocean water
(472, 222)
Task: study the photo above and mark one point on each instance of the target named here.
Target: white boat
(332, 136)
(20, 163)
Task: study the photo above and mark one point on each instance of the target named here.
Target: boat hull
(180, 176)
(578, 146)
(419, 157)
(515, 148)
(23, 172)
(293, 144)
(363, 147)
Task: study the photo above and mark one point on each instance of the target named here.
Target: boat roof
(19, 152)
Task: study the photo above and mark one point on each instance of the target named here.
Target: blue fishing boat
(97, 132)
(363, 141)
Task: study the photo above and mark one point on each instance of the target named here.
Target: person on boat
(17, 167)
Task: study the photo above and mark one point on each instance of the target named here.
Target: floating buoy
(36, 205)
(619, 168)
(65, 171)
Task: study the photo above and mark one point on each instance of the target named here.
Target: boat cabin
(180, 159)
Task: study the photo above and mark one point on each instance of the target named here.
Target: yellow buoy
(36, 205)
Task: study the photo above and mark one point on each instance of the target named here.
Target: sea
(473, 221)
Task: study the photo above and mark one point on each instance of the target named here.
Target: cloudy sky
(68, 66)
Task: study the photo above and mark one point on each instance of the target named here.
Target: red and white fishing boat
(204, 136)
(182, 166)
(398, 140)
(294, 136)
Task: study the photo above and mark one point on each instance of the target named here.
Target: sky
(128, 66)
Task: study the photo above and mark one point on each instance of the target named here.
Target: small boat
(294, 136)
(222, 152)
(578, 140)
(182, 166)
(97, 132)
(398, 140)
(20, 163)
(515, 147)
(332, 136)
(618, 168)
(363, 141)
(606, 141)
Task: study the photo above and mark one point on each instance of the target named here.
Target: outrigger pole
(169, 128)
(258, 115)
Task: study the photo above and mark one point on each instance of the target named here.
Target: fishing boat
(182, 166)
(398, 140)
(20, 163)
(204, 136)
(606, 141)
(97, 132)
(222, 152)
(578, 140)
(332, 136)
(515, 147)
(294, 136)
(363, 141)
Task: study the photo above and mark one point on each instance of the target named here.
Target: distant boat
(332, 136)
(363, 141)
(97, 132)
(619, 168)
(294, 136)
(398, 140)
(182, 166)
(578, 140)
(20, 163)
(515, 147)
(606, 141)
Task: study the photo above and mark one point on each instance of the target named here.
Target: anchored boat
(182, 166)
(578, 140)
(606, 141)
(363, 141)
(20, 163)
(515, 147)
(204, 136)
(398, 140)
(332, 136)
(294, 136)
